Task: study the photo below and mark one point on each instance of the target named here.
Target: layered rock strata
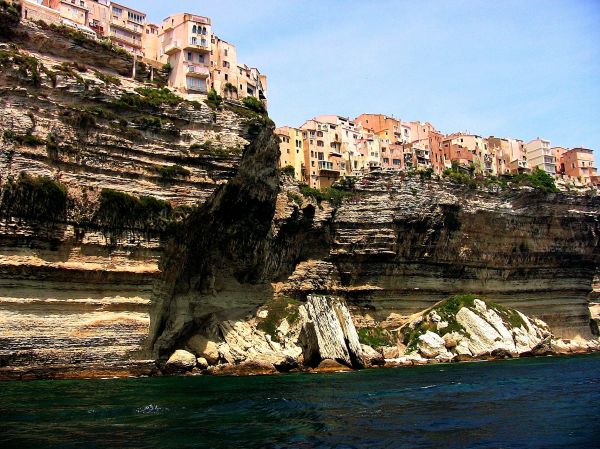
(74, 295)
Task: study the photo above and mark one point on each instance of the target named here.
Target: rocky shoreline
(323, 339)
(149, 368)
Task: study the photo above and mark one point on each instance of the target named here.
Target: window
(195, 83)
(117, 11)
(226, 64)
(135, 17)
(321, 156)
(194, 29)
(194, 40)
(320, 143)
(320, 134)
(190, 56)
(225, 52)
(226, 77)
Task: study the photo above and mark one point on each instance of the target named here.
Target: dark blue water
(543, 402)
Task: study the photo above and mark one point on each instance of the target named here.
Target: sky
(506, 68)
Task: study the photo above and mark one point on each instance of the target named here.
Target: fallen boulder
(180, 361)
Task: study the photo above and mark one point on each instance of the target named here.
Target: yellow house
(291, 150)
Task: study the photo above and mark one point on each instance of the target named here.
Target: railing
(129, 40)
(202, 45)
(197, 69)
(325, 165)
(124, 25)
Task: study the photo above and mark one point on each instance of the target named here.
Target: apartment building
(127, 26)
(151, 43)
(349, 132)
(199, 60)
(392, 156)
(540, 155)
(579, 164)
(99, 16)
(36, 10)
(185, 41)
(322, 153)
(369, 146)
(291, 149)
(251, 83)
(459, 149)
(225, 70)
(76, 11)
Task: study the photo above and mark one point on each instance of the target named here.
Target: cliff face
(404, 245)
(397, 246)
(85, 294)
(75, 286)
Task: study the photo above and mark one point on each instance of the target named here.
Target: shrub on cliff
(27, 67)
(37, 198)
(310, 192)
(119, 211)
(147, 98)
(213, 99)
(459, 175)
(26, 139)
(288, 170)
(254, 104)
(538, 179)
(170, 172)
(333, 194)
(10, 14)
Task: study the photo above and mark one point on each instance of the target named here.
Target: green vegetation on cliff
(278, 309)
(119, 211)
(36, 198)
(447, 311)
(334, 194)
(148, 98)
(537, 179)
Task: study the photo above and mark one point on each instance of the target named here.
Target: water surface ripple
(542, 402)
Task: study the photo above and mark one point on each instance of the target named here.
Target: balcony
(197, 70)
(422, 154)
(115, 23)
(125, 39)
(171, 48)
(199, 46)
(326, 166)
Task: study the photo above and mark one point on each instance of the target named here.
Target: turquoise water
(542, 402)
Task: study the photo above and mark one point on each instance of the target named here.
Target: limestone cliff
(221, 249)
(76, 283)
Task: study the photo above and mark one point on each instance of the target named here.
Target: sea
(547, 402)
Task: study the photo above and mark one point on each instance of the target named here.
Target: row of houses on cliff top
(328, 147)
(198, 58)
